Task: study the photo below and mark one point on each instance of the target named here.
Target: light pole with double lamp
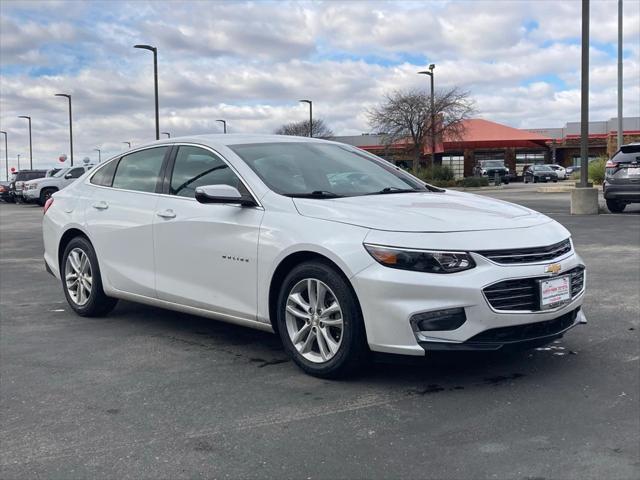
(68, 97)
(433, 112)
(224, 125)
(30, 142)
(6, 155)
(310, 116)
(155, 80)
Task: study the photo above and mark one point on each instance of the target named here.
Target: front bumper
(30, 194)
(390, 298)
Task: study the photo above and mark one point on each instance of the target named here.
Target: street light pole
(620, 125)
(310, 116)
(167, 134)
(6, 155)
(155, 80)
(128, 143)
(99, 157)
(30, 142)
(18, 162)
(431, 74)
(224, 125)
(584, 98)
(68, 97)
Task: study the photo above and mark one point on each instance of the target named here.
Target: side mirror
(223, 194)
(68, 176)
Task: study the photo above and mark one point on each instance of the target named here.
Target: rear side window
(76, 172)
(140, 170)
(196, 167)
(104, 176)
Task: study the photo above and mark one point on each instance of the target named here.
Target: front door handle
(101, 205)
(166, 213)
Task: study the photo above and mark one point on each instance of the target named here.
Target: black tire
(353, 350)
(616, 206)
(98, 302)
(555, 181)
(45, 194)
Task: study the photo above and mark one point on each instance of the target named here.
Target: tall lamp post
(167, 134)
(620, 125)
(6, 155)
(310, 116)
(224, 125)
(99, 157)
(18, 162)
(68, 97)
(155, 80)
(30, 142)
(128, 144)
(431, 74)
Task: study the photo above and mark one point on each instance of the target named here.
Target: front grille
(524, 293)
(528, 255)
(531, 331)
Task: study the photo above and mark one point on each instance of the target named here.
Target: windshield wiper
(393, 190)
(314, 194)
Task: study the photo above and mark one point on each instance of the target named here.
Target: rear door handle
(102, 205)
(166, 213)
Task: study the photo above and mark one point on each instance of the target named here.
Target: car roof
(228, 139)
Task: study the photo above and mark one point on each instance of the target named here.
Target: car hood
(447, 211)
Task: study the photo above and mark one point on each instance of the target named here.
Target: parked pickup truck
(489, 168)
(41, 189)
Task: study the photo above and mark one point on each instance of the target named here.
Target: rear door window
(140, 171)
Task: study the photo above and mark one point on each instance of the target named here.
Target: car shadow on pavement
(438, 371)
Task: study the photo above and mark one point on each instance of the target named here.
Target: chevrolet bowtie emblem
(553, 268)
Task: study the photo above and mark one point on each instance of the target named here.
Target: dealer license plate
(633, 171)
(555, 291)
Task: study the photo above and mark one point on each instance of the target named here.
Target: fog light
(439, 320)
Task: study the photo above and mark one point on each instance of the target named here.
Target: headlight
(431, 261)
(33, 186)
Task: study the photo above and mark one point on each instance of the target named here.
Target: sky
(250, 62)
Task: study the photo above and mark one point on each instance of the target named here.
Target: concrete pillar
(584, 201)
(469, 162)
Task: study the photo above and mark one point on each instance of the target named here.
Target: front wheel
(45, 195)
(319, 321)
(615, 206)
(81, 280)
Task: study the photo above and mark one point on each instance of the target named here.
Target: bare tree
(301, 129)
(405, 117)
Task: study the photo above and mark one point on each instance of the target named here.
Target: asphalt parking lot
(146, 393)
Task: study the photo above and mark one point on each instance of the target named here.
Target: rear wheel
(45, 195)
(319, 321)
(616, 206)
(81, 280)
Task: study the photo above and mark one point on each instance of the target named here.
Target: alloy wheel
(314, 320)
(78, 276)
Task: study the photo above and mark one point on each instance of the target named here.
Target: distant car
(560, 171)
(572, 169)
(17, 183)
(4, 191)
(41, 189)
(540, 173)
(489, 168)
(621, 184)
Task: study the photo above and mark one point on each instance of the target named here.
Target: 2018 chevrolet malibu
(334, 249)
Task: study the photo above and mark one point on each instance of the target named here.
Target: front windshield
(305, 168)
(60, 173)
(544, 168)
(492, 164)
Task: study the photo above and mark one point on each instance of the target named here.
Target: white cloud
(250, 62)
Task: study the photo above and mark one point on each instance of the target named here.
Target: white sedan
(560, 171)
(336, 250)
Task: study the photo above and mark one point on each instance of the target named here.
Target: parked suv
(17, 183)
(489, 168)
(41, 189)
(540, 173)
(622, 178)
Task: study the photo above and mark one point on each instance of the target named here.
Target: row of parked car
(530, 173)
(36, 186)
